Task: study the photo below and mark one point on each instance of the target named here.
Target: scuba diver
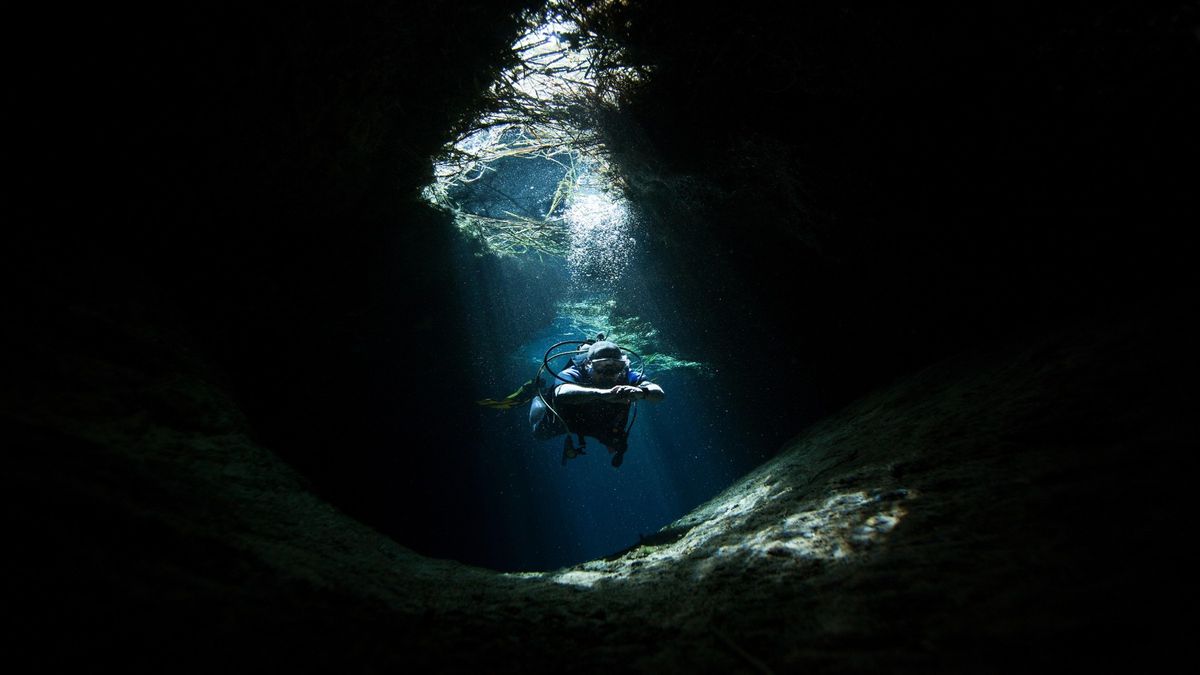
(591, 397)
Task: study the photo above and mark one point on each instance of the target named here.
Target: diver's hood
(604, 349)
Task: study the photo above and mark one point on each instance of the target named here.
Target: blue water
(538, 514)
(543, 515)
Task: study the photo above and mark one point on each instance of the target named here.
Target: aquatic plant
(632, 332)
(545, 106)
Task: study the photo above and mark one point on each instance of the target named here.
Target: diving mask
(609, 367)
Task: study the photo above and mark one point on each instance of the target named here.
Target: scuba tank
(578, 358)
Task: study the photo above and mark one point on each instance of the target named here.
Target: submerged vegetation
(631, 332)
(542, 109)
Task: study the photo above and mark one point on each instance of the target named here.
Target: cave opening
(550, 249)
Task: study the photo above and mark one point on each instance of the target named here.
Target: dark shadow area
(245, 181)
(855, 192)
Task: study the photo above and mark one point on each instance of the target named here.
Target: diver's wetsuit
(601, 420)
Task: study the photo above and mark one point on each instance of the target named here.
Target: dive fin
(522, 395)
(569, 449)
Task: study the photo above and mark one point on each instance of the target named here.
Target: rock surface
(1000, 511)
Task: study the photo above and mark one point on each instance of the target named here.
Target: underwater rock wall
(840, 194)
(247, 178)
(1002, 510)
(195, 336)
